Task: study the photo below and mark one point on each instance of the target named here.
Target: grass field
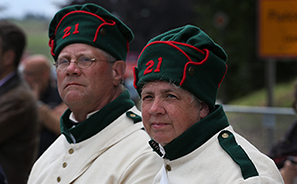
(37, 36)
(283, 96)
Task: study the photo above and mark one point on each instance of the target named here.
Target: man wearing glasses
(102, 138)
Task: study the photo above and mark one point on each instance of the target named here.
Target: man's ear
(8, 57)
(204, 110)
(118, 72)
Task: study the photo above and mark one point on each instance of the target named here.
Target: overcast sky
(19, 8)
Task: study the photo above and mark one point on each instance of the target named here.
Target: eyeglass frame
(76, 61)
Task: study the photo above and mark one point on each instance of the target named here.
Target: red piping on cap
(51, 44)
(194, 63)
(173, 44)
(77, 11)
(112, 23)
(134, 75)
(188, 45)
(51, 41)
(127, 46)
(223, 77)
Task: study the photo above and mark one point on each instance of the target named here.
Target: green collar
(96, 122)
(197, 135)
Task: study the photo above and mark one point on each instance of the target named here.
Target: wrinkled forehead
(162, 86)
(80, 49)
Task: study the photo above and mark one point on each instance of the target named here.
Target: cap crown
(90, 24)
(187, 57)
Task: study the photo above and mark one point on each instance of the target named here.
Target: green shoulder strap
(133, 116)
(229, 144)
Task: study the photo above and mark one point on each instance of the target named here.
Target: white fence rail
(263, 126)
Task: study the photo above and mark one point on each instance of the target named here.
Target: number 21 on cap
(150, 65)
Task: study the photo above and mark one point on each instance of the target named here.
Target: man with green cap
(102, 140)
(178, 76)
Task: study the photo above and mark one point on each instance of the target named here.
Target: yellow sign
(277, 28)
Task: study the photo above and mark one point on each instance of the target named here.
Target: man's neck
(6, 72)
(6, 78)
(82, 114)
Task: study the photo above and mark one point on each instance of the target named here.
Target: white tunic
(211, 164)
(118, 154)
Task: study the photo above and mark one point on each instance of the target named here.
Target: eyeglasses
(82, 62)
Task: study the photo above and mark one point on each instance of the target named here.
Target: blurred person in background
(102, 139)
(284, 152)
(289, 171)
(3, 179)
(178, 76)
(18, 109)
(36, 70)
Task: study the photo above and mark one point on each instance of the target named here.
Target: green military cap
(186, 56)
(90, 24)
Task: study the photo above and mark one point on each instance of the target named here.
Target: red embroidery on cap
(188, 45)
(174, 45)
(127, 46)
(76, 29)
(159, 65)
(223, 77)
(193, 63)
(111, 23)
(77, 11)
(68, 29)
(66, 32)
(51, 44)
(149, 68)
(150, 65)
(135, 77)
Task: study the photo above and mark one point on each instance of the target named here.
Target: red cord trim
(188, 45)
(111, 23)
(128, 47)
(51, 44)
(194, 63)
(172, 43)
(223, 77)
(77, 11)
(134, 75)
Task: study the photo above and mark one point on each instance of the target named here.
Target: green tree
(238, 36)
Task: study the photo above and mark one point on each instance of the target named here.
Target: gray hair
(194, 98)
(111, 59)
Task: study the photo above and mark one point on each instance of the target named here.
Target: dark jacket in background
(285, 147)
(18, 130)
